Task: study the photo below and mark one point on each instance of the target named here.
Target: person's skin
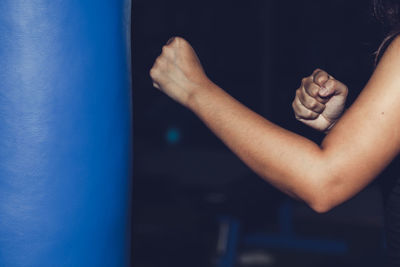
(320, 101)
(360, 145)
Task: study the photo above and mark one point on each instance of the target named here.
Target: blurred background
(195, 204)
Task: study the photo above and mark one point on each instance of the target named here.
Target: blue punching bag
(65, 133)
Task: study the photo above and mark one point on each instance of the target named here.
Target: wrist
(327, 130)
(198, 92)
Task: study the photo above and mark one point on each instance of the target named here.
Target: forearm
(286, 160)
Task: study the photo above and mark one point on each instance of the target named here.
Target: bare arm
(362, 143)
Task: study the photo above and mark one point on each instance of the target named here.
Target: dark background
(190, 191)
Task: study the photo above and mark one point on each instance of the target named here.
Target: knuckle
(175, 41)
(179, 40)
(165, 49)
(346, 90)
(315, 72)
(295, 108)
(307, 82)
(159, 61)
(343, 86)
(325, 74)
(321, 76)
(153, 72)
(300, 96)
(313, 104)
(313, 89)
(308, 114)
(171, 40)
(294, 105)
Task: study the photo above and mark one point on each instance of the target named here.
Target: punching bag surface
(65, 133)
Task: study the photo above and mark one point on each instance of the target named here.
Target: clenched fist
(320, 100)
(178, 71)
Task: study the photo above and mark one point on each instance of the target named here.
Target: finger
(301, 112)
(308, 101)
(312, 89)
(153, 73)
(167, 51)
(170, 40)
(160, 63)
(156, 68)
(320, 77)
(318, 70)
(176, 41)
(333, 87)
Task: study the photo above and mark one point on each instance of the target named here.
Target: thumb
(332, 87)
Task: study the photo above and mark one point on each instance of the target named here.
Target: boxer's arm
(271, 151)
(361, 144)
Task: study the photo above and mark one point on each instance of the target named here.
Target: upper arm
(367, 137)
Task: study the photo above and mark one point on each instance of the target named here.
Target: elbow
(326, 194)
(326, 184)
(321, 206)
(320, 203)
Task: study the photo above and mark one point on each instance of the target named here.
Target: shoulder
(388, 67)
(392, 52)
(395, 43)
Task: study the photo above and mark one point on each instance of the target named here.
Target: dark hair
(388, 13)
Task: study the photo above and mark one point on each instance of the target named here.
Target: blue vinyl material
(65, 133)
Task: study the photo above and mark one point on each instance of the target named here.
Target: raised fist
(178, 71)
(320, 100)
